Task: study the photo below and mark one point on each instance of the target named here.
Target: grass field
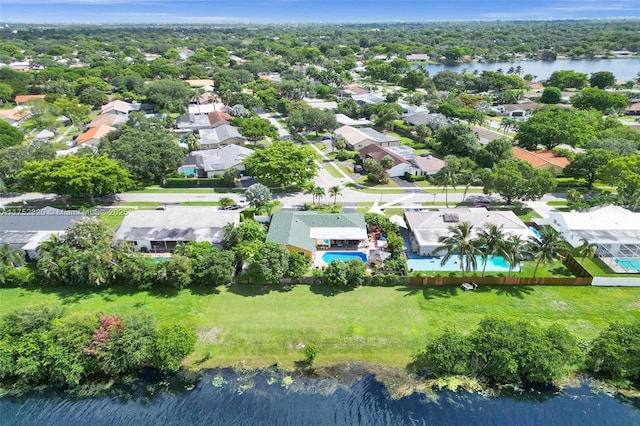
(256, 326)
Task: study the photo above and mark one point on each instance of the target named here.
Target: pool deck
(613, 265)
(318, 262)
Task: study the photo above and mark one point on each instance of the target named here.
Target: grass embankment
(256, 326)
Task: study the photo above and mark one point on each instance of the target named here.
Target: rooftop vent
(450, 217)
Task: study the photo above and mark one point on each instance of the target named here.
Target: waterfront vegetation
(257, 326)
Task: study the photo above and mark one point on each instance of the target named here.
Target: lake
(623, 69)
(224, 397)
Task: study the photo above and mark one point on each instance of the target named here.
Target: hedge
(194, 183)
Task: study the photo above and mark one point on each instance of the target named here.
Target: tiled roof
(25, 98)
(379, 152)
(429, 164)
(539, 158)
(95, 133)
(354, 136)
(120, 106)
(219, 134)
(216, 117)
(296, 228)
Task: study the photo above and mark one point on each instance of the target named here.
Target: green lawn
(333, 171)
(363, 181)
(598, 268)
(247, 325)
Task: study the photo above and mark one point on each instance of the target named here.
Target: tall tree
(587, 165)
(602, 79)
(489, 241)
(518, 180)
(149, 155)
(283, 163)
(460, 243)
(548, 248)
(586, 249)
(74, 175)
(334, 191)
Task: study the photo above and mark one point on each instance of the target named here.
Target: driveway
(403, 183)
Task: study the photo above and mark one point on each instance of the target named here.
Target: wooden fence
(437, 281)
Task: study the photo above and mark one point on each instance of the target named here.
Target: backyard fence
(436, 281)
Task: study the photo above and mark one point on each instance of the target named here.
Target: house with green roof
(306, 232)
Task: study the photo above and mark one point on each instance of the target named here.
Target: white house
(426, 227)
(159, 231)
(614, 229)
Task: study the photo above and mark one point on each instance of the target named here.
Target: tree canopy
(9, 135)
(553, 126)
(75, 175)
(283, 163)
(149, 155)
(518, 180)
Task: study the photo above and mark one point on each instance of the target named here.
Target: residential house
(110, 120)
(205, 108)
(20, 100)
(218, 118)
(367, 99)
(424, 117)
(219, 136)
(320, 104)
(159, 231)
(523, 109)
(305, 232)
(347, 121)
(614, 229)
(192, 122)
(485, 135)
(427, 227)
(428, 165)
(26, 231)
(408, 109)
(200, 82)
(400, 165)
(545, 160)
(116, 107)
(212, 162)
(359, 138)
(44, 135)
(633, 109)
(93, 136)
(353, 90)
(418, 57)
(13, 116)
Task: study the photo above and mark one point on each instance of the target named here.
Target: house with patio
(359, 138)
(427, 227)
(211, 162)
(93, 136)
(26, 231)
(614, 229)
(306, 232)
(159, 231)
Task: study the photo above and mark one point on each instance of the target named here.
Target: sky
(305, 11)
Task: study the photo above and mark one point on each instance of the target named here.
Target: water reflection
(271, 397)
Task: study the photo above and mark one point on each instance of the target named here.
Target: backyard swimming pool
(345, 256)
(629, 264)
(494, 264)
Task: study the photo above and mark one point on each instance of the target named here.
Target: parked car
(326, 138)
(358, 168)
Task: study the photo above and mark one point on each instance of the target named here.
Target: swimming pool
(345, 256)
(494, 264)
(630, 263)
(535, 231)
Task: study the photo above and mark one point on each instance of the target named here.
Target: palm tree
(446, 178)
(460, 242)
(508, 123)
(318, 192)
(309, 188)
(519, 70)
(9, 258)
(472, 177)
(489, 239)
(548, 248)
(586, 249)
(514, 250)
(334, 191)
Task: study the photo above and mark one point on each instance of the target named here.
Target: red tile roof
(219, 117)
(539, 159)
(95, 133)
(24, 98)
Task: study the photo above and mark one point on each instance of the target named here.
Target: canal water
(622, 69)
(224, 397)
